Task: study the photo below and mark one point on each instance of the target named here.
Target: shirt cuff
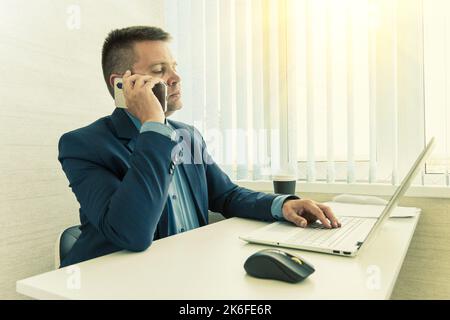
(277, 206)
(159, 128)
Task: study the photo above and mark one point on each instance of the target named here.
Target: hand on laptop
(304, 212)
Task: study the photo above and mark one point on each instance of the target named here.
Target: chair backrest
(67, 240)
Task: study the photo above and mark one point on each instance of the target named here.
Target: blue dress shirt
(180, 196)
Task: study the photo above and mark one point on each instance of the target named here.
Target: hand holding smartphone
(160, 91)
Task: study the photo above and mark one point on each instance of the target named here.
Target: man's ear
(112, 78)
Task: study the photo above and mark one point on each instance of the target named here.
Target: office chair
(64, 243)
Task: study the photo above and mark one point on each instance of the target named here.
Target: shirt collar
(137, 122)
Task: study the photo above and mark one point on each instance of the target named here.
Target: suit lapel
(125, 129)
(193, 178)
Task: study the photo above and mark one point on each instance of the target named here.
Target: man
(131, 185)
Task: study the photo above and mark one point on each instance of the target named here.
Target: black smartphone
(160, 91)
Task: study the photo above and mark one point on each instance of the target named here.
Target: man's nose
(174, 79)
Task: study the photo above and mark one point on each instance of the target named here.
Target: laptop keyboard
(316, 236)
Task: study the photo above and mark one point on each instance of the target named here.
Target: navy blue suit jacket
(121, 179)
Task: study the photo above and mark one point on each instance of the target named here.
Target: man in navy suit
(140, 177)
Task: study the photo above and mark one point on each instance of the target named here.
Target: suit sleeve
(126, 212)
(227, 198)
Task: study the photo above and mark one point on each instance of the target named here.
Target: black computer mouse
(278, 265)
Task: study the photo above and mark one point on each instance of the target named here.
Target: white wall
(51, 82)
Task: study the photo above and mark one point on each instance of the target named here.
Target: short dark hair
(118, 50)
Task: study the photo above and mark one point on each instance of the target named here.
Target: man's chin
(171, 109)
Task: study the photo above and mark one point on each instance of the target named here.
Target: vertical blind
(437, 82)
(331, 88)
(221, 49)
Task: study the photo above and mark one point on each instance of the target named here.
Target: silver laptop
(345, 241)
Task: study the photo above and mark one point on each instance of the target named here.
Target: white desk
(207, 263)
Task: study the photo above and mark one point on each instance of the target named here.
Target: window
(437, 83)
(336, 89)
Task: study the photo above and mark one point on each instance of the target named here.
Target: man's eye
(158, 71)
